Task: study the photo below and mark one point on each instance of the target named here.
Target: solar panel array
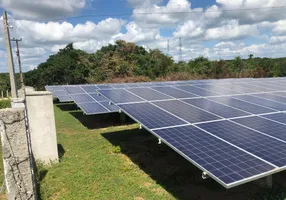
(233, 129)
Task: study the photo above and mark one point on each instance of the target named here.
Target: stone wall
(18, 177)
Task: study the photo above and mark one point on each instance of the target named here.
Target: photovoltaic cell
(89, 88)
(74, 90)
(282, 94)
(216, 108)
(98, 97)
(151, 116)
(92, 108)
(110, 106)
(248, 107)
(268, 127)
(217, 89)
(103, 87)
(262, 102)
(149, 94)
(186, 112)
(271, 97)
(81, 98)
(176, 93)
(60, 93)
(225, 162)
(279, 117)
(64, 99)
(198, 91)
(234, 87)
(118, 96)
(269, 149)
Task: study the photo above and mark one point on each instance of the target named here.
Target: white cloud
(163, 15)
(231, 30)
(137, 34)
(44, 8)
(248, 13)
(189, 29)
(145, 3)
(278, 40)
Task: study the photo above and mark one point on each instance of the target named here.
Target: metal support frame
(205, 175)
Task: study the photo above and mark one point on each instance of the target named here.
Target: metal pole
(14, 92)
(19, 62)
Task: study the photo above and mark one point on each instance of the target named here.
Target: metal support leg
(269, 181)
(122, 118)
(205, 175)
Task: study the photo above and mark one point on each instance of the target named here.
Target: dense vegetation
(126, 62)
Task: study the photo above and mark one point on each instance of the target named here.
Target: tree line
(127, 62)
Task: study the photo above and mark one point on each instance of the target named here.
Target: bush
(5, 103)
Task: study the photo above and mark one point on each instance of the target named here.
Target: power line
(150, 13)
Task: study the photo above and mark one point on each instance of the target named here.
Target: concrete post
(2, 94)
(16, 159)
(42, 126)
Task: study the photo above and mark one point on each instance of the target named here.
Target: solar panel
(221, 160)
(279, 117)
(65, 98)
(82, 98)
(176, 93)
(216, 108)
(120, 96)
(198, 91)
(89, 88)
(267, 148)
(262, 102)
(92, 108)
(187, 112)
(74, 90)
(151, 116)
(149, 94)
(271, 97)
(233, 136)
(110, 106)
(248, 107)
(217, 89)
(268, 127)
(98, 97)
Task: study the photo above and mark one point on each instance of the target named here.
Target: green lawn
(102, 159)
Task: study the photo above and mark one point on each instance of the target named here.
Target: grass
(5, 103)
(101, 161)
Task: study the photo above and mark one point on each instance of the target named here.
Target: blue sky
(211, 28)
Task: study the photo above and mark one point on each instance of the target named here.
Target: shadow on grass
(71, 106)
(100, 120)
(61, 151)
(178, 176)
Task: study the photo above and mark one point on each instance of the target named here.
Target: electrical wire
(151, 13)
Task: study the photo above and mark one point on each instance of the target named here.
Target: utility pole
(19, 62)
(14, 92)
(180, 49)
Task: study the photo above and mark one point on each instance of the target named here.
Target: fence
(5, 94)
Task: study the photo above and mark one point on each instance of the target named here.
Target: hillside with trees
(127, 62)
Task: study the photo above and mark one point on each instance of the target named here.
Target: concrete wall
(16, 160)
(42, 126)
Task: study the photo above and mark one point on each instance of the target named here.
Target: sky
(217, 29)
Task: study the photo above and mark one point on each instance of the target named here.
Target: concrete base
(42, 126)
(17, 103)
